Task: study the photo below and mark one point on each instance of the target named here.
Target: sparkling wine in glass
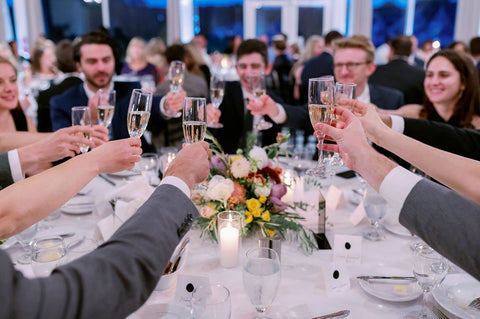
(261, 277)
(217, 88)
(320, 109)
(259, 89)
(430, 268)
(106, 106)
(194, 119)
(81, 116)
(375, 208)
(138, 112)
(176, 73)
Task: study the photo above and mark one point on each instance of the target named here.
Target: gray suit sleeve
(112, 281)
(446, 221)
(6, 178)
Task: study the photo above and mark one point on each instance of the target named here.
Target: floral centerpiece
(250, 182)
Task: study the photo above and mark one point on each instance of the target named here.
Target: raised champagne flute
(176, 74)
(259, 89)
(217, 88)
(106, 106)
(343, 91)
(138, 112)
(320, 109)
(81, 116)
(194, 119)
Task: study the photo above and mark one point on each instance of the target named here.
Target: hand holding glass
(106, 106)
(258, 89)
(217, 88)
(81, 116)
(138, 112)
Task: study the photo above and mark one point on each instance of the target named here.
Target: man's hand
(174, 101)
(262, 106)
(191, 164)
(213, 114)
(99, 135)
(116, 156)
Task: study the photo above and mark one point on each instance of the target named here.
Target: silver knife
(335, 315)
(387, 278)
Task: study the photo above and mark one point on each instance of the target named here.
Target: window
(389, 18)
(310, 21)
(435, 20)
(269, 21)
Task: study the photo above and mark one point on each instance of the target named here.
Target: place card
(187, 288)
(335, 199)
(347, 248)
(334, 278)
(358, 214)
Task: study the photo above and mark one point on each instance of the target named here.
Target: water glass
(148, 165)
(261, 277)
(81, 116)
(139, 112)
(212, 302)
(194, 119)
(106, 106)
(375, 208)
(25, 238)
(48, 252)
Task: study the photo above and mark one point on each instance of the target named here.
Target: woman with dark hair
(12, 117)
(44, 61)
(452, 92)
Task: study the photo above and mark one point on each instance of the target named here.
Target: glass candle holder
(229, 231)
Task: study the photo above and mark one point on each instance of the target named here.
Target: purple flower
(278, 205)
(278, 190)
(216, 163)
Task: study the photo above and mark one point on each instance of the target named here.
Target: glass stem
(320, 154)
(423, 312)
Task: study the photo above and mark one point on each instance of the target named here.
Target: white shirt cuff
(281, 116)
(396, 186)
(162, 108)
(15, 166)
(398, 123)
(177, 182)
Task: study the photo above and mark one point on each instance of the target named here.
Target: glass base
(264, 125)
(318, 171)
(215, 125)
(374, 235)
(25, 259)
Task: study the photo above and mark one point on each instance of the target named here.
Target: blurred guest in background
(475, 52)
(155, 54)
(43, 61)
(136, 62)
(459, 46)
(201, 42)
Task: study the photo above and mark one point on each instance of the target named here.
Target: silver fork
(475, 304)
(438, 313)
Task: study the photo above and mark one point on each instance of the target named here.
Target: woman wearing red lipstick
(452, 92)
(12, 117)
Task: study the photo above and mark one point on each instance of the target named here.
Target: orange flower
(238, 196)
(256, 178)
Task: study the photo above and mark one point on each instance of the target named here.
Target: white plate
(456, 292)
(125, 173)
(78, 205)
(392, 290)
(395, 228)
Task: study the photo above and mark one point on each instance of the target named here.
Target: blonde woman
(136, 62)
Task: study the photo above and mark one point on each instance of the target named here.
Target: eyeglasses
(349, 65)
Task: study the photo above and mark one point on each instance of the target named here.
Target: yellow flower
(262, 199)
(266, 216)
(236, 158)
(269, 232)
(257, 212)
(211, 205)
(249, 218)
(253, 204)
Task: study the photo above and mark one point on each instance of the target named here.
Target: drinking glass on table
(148, 165)
(320, 109)
(430, 268)
(259, 89)
(212, 302)
(194, 119)
(81, 116)
(217, 88)
(375, 208)
(176, 73)
(48, 252)
(106, 106)
(25, 238)
(138, 112)
(261, 277)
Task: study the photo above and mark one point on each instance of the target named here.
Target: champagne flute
(217, 87)
(430, 268)
(106, 106)
(343, 91)
(194, 119)
(261, 277)
(320, 109)
(138, 112)
(81, 116)
(176, 73)
(258, 89)
(375, 208)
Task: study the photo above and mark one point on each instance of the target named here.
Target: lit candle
(229, 240)
(170, 158)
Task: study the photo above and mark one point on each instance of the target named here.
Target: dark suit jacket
(5, 173)
(315, 67)
(446, 221)
(385, 97)
(43, 100)
(400, 75)
(61, 109)
(233, 116)
(112, 281)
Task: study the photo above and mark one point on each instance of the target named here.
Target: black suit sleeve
(460, 141)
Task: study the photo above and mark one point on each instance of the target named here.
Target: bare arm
(13, 140)
(50, 189)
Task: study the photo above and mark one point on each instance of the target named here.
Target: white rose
(240, 168)
(259, 154)
(262, 190)
(220, 188)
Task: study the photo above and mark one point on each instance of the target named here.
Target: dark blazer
(113, 280)
(43, 100)
(233, 117)
(385, 97)
(446, 221)
(315, 67)
(400, 75)
(5, 173)
(61, 109)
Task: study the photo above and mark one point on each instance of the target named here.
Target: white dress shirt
(177, 182)
(15, 166)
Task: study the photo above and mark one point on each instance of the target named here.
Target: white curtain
(6, 32)
(28, 22)
(467, 20)
(362, 17)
